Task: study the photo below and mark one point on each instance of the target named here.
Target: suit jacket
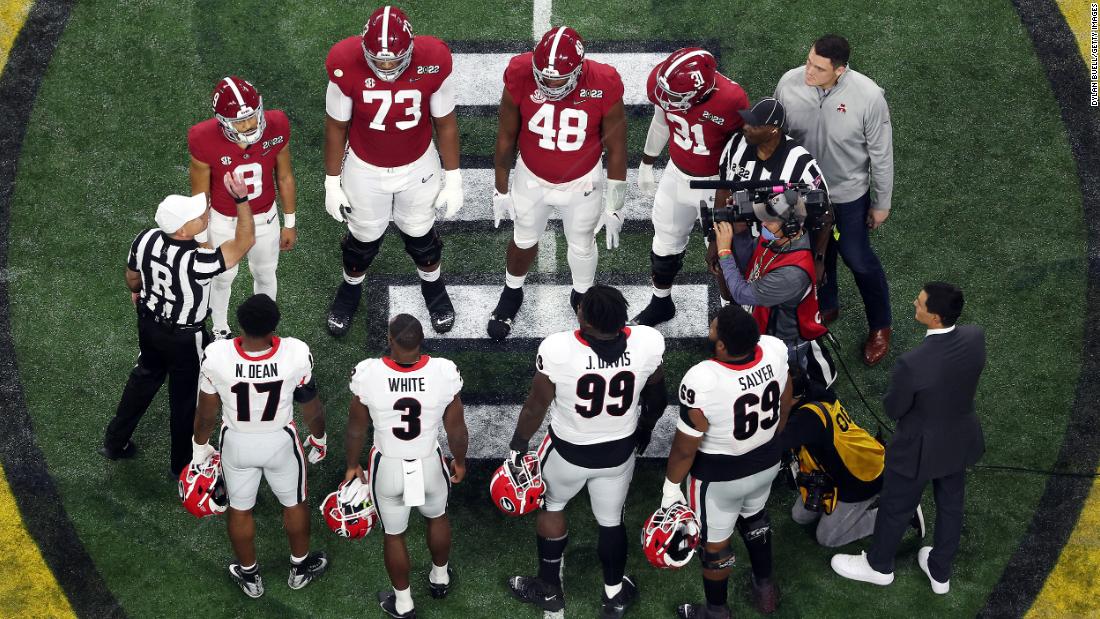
(931, 395)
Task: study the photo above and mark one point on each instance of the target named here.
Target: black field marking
(25, 465)
(1060, 507)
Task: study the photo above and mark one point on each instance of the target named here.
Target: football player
(387, 91)
(407, 396)
(605, 389)
(698, 107)
(561, 111)
(254, 144)
(732, 458)
(254, 380)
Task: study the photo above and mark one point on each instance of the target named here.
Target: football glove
(671, 495)
(336, 201)
(613, 197)
(451, 193)
(502, 207)
(646, 182)
(201, 453)
(642, 436)
(318, 448)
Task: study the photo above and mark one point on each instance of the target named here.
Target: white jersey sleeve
(406, 403)
(256, 390)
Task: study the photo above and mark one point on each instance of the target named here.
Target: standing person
(732, 458)
(254, 381)
(253, 143)
(841, 116)
(387, 91)
(561, 111)
(691, 98)
(931, 395)
(168, 274)
(406, 396)
(604, 387)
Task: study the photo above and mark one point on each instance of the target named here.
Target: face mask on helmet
(239, 109)
(557, 62)
(684, 79)
(388, 66)
(388, 43)
(202, 488)
(349, 511)
(518, 490)
(670, 537)
(670, 100)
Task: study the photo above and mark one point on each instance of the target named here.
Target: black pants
(897, 503)
(165, 353)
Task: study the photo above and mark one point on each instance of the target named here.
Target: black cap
(767, 111)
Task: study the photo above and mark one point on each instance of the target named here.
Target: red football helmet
(349, 511)
(388, 38)
(685, 78)
(517, 490)
(558, 56)
(202, 488)
(670, 536)
(236, 101)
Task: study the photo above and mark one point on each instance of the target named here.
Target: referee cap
(767, 111)
(174, 211)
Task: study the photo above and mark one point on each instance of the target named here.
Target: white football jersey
(257, 390)
(740, 402)
(597, 402)
(406, 403)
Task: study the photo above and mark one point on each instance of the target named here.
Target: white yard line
(548, 252)
(540, 18)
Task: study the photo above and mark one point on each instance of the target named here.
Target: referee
(169, 276)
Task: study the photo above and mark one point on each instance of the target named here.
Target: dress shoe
(129, 450)
(876, 346)
(829, 316)
(938, 587)
(856, 567)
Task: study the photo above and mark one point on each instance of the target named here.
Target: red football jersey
(699, 133)
(256, 163)
(561, 141)
(391, 123)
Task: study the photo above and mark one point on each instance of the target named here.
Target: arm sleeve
(455, 378)
(442, 101)
(658, 134)
(880, 148)
(337, 104)
(741, 292)
(206, 263)
(780, 286)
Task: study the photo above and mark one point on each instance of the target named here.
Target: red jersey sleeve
(339, 63)
(194, 144)
(613, 88)
(279, 123)
(516, 76)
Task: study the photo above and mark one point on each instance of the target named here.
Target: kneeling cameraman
(837, 466)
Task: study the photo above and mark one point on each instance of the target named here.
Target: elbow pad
(305, 393)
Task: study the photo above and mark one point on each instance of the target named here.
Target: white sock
(662, 293)
(297, 560)
(611, 592)
(429, 276)
(354, 281)
(514, 281)
(250, 568)
(439, 575)
(582, 267)
(404, 600)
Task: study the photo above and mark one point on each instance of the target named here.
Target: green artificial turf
(985, 196)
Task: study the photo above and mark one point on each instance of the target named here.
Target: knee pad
(720, 560)
(424, 250)
(755, 528)
(582, 251)
(358, 255)
(665, 268)
(524, 243)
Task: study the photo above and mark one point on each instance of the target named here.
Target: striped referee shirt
(175, 277)
(790, 163)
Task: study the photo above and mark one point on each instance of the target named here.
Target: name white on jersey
(257, 391)
(740, 402)
(595, 401)
(406, 403)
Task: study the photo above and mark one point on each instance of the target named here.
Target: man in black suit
(931, 396)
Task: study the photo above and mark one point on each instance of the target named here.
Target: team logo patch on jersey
(272, 142)
(538, 97)
(840, 108)
(227, 160)
(369, 82)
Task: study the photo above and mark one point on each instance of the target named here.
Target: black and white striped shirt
(175, 277)
(790, 163)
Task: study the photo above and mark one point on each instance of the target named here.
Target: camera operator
(780, 288)
(837, 467)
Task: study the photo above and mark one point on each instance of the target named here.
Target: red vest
(810, 326)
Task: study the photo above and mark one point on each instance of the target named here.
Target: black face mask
(608, 351)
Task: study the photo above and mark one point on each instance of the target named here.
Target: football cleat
(341, 311)
(311, 568)
(701, 611)
(659, 310)
(615, 608)
(765, 595)
(388, 601)
(534, 590)
(249, 582)
(500, 321)
(440, 591)
(439, 305)
(222, 334)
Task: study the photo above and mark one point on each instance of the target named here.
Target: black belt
(169, 326)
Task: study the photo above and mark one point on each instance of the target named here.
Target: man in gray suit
(931, 396)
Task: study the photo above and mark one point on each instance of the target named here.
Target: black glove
(642, 437)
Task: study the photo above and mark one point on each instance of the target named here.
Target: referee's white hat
(174, 211)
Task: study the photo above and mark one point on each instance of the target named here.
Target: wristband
(670, 488)
(240, 200)
(725, 252)
(288, 220)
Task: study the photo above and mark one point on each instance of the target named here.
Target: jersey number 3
(410, 416)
